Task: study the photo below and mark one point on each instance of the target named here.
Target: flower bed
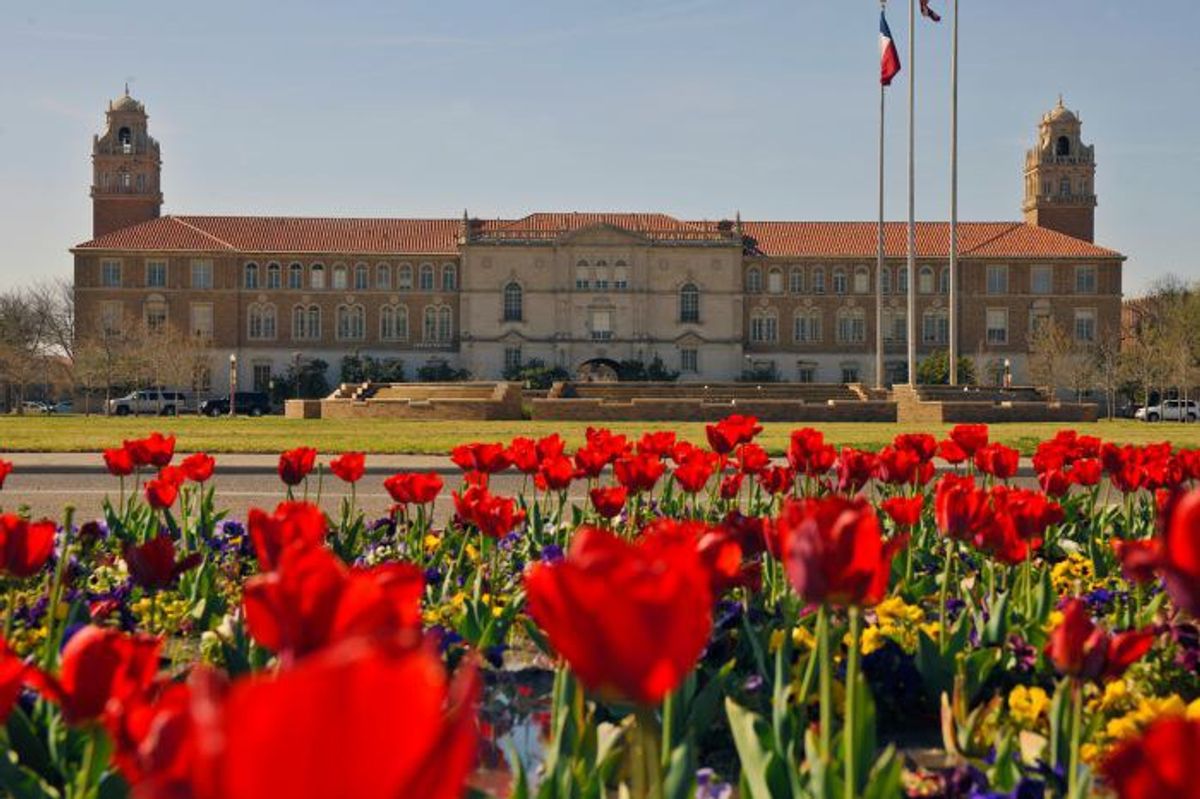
(710, 623)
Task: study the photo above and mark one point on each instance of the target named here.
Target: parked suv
(250, 403)
(1169, 411)
(163, 403)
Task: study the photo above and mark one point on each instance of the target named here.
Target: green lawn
(274, 434)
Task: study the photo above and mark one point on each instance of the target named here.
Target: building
(712, 299)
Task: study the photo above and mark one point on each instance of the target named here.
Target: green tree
(935, 370)
(536, 374)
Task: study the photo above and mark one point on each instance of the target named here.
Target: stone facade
(712, 300)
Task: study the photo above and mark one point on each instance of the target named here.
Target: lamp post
(233, 384)
(296, 356)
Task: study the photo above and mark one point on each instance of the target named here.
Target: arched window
(125, 137)
(601, 272)
(689, 303)
(885, 280)
(404, 277)
(316, 277)
(925, 280)
(426, 277)
(818, 280)
(296, 276)
(429, 328)
(944, 280)
(362, 277)
(1064, 187)
(251, 278)
(796, 280)
(393, 323)
(1062, 146)
(339, 278)
(862, 280)
(753, 280)
(775, 280)
(351, 322)
(445, 324)
(839, 280)
(273, 276)
(902, 280)
(806, 326)
(306, 322)
(764, 326)
(261, 322)
(935, 326)
(449, 278)
(383, 277)
(851, 326)
(621, 276)
(582, 276)
(514, 310)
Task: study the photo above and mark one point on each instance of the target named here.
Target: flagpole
(880, 254)
(954, 202)
(912, 244)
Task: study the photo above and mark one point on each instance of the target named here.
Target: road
(46, 482)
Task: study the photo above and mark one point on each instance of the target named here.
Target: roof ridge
(202, 232)
(999, 235)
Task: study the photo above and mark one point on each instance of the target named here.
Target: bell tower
(1060, 191)
(125, 169)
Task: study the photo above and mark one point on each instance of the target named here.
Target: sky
(697, 108)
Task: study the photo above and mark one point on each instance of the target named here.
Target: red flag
(926, 11)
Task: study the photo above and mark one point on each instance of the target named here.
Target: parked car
(34, 406)
(163, 403)
(1169, 411)
(248, 403)
(66, 406)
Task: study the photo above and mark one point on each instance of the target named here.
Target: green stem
(943, 622)
(825, 684)
(852, 665)
(83, 777)
(10, 607)
(51, 646)
(647, 772)
(1076, 731)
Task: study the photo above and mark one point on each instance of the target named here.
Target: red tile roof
(975, 239)
(255, 234)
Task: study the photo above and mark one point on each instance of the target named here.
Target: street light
(296, 356)
(233, 384)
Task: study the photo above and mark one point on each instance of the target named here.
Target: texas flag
(890, 65)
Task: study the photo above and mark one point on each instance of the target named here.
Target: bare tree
(1049, 350)
(1108, 367)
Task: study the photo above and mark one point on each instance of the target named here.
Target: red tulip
(658, 443)
(154, 736)
(25, 546)
(898, 466)
(478, 457)
(1086, 472)
(1181, 553)
(639, 473)
(958, 506)
(1078, 648)
(349, 467)
(720, 549)
(731, 485)
(777, 480)
(375, 722)
(855, 468)
(312, 601)
(295, 464)
(153, 450)
(591, 461)
(923, 445)
(751, 458)
(13, 675)
(101, 668)
(631, 619)
(551, 446)
(1139, 559)
(695, 472)
(6, 468)
(1055, 482)
(731, 431)
(523, 454)
(605, 441)
(291, 523)
(1158, 763)
(119, 461)
(493, 516)
(413, 488)
(970, 437)
(803, 445)
(152, 565)
(905, 512)
(556, 472)
(161, 492)
(198, 467)
(610, 501)
(951, 452)
(833, 551)
(997, 460)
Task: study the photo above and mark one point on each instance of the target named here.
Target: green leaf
(883, 782)
(751, 738)
(996, 629)
(681, 776)
(21, 783)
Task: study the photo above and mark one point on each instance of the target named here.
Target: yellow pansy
(1026, 705)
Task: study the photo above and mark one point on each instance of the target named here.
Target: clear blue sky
(698, 108)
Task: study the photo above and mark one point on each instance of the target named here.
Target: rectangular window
(621, 278)
(110, 274)
(1038, 320)
(156, 274)
(850, 374)
(1085, 325)
(111, 314)
(997, 325)
(602, 325)
(1085, 280)
(202, 274)
(935, 328)
(202, 320)
(1041, 280)
(997, 279)
(689, 361)
(806, 373)
(512, 358)
(261, 377)
(295, 276)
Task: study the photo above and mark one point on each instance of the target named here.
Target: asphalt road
(46, 482)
